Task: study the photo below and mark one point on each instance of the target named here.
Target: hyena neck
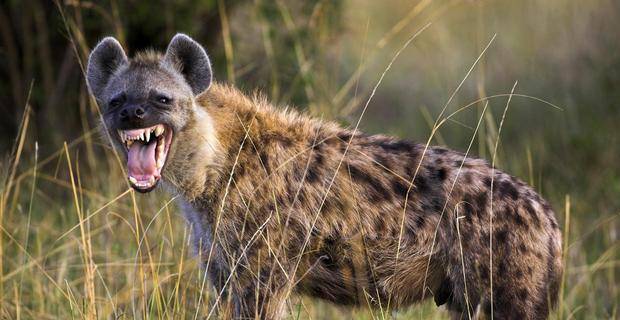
(236, 125)
(197, 157)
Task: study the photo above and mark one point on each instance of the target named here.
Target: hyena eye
(164, 100)
(115, 103)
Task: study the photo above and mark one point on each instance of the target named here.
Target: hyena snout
(135, 116)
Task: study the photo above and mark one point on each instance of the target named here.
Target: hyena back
(281, 203)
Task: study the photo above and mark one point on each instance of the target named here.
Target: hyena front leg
(257, 282)
(260, 295)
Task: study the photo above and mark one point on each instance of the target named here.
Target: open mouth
(147, 149)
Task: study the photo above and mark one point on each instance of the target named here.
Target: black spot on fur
(395, 232)
(467, 208)
(507, 189)
(444, 293)
(434, 204)
(533, 214)
(481, 202)
(468, 178)
(409, 172)
(375, 189)
(312, 175)
(514, 215)
(501, 236)
(503, 267)
(302, 197)
(344, 136)
(487, 182)
(419, 222)
(319, 159)
(265, 161)
(315, 232)
(329, 263)
(314, 169)
(379, 226)
(397, 146)
(484, 272)
(485, 235)
(284, 141)
(441, 174)
(554, 223)
(382, 161)
(239, 172)
(519, 274)
(399, 188)
(318, 147)
(421, 184)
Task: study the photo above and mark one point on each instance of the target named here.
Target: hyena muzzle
(281, 203)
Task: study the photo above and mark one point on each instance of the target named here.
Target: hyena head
(148, 103)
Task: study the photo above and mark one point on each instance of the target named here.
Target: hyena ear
(103, 61)
(191, 59)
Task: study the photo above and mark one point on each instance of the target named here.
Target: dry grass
(76, 242)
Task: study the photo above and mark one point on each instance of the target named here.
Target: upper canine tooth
(159, 130)
(147, 135)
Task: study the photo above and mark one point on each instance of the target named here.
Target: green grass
(76, 242)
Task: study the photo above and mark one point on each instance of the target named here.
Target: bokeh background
(75, 242)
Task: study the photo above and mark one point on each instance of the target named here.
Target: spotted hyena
(282, 203)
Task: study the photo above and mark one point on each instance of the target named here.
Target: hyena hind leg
(519, 300)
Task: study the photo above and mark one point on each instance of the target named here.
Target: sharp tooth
(151, 180)
(141, 136)
(133, 180)
(159, 130)
(147, 135)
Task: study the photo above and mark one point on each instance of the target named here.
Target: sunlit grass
(76, 242)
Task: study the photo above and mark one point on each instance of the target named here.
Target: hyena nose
(132, 112)
(139, 112)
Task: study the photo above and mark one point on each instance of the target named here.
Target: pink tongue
(141, 161)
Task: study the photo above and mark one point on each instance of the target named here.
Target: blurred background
(76, 242)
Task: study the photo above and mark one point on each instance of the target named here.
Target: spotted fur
(282, 203)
